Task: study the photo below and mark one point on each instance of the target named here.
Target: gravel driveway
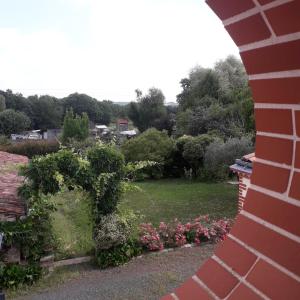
(148, 277)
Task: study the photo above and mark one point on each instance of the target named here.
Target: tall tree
(149, 110)
(2, 103)
(12, 121)
(47, 112)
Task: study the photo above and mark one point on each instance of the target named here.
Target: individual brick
(249, 30)
(295, 187)
(232, 7)
(217, 278)
(284, 19)
(242, 292)
(274, 149)
(297, 158)
(274, 58)
(273, 283)
(268, 242)
(191, 290)
(277, 90)
(241, 261)
(270, 177)
(263, 2)
(274, 211)
(274, 121)
(297, 114)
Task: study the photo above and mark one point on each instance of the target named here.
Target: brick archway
(260, 259)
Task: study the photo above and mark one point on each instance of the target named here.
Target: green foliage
(47, 112)
(118, 255)
(31, 148)
(111, 231)
(149, 111)
(216, 100)
(220, 155)
(194, 150)
(152, 145)
(75, 127)
(13, 275)
(32, 235)
(2, 103)
(98, 112)
(13, 122)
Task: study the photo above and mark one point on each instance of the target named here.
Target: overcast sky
(106, 48)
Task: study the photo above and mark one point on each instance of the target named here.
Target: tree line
(213, 101)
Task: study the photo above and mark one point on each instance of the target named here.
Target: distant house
(128, 133)
(243, 168)
(100, 130)
(52, 134)
(122, 125)
(27, 135)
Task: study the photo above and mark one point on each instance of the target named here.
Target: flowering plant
(177, 234)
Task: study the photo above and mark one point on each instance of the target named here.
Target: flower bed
(176, 234)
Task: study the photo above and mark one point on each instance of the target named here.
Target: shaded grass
(167, 199)
(72, 224)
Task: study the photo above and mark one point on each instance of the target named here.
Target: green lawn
(159, 200)
(72, 224)
(165, 200)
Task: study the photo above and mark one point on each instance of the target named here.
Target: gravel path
(149, 277)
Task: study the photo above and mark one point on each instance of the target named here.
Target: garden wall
(260, 259)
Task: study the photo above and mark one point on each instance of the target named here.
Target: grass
(165, 200)
(156, 201)
(72, 224)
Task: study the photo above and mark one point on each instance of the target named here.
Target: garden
(93, 202)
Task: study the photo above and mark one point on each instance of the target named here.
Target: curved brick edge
(260, 259)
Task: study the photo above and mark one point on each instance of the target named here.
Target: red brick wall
(260, 259)
(243, 189)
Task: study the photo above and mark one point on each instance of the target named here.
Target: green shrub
(108, 169)
(220, 155)
(110, 232)
(12, 121)
(31, 148)
(194, 150)
(118, 255)
(75, 127)
(13, 275)
(152, 145)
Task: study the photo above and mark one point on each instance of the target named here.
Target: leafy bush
(177, 234)
(194, 150)
(111, 231)
(31, 148)
(13, 275)
(118, 255)
(220, 155)
(75, 127)
(33, 235)
(152, 145)
(108, 169)
(12, 121)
